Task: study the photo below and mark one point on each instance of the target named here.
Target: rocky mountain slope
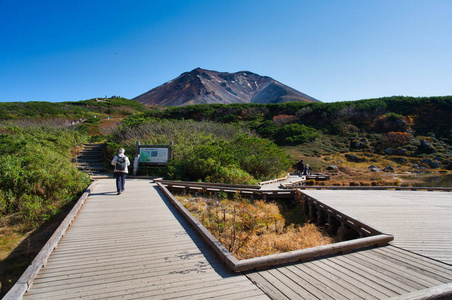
(203, 86)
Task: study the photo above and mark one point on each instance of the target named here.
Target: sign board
(154, 154)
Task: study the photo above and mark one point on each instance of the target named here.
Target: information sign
(153, 154)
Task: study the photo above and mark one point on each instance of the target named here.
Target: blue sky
(331, 50)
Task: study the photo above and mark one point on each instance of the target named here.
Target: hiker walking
(121, 162)
(300, 167)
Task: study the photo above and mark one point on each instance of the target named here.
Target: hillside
(206, 87)
(414, 133)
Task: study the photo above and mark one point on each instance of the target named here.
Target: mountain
(204, 86)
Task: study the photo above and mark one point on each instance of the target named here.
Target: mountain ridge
(201, 86)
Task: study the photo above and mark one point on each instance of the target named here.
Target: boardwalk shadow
(203, 247)
(103, 194)
(13, 266)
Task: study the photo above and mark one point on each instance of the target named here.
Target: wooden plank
(278, 284)
(53, 282)
(265, 285)
(156, 289)
(402, 270)
(194, 292)
(255, 295)
(99, 252)
(377, 188)
(310, 290)
(373, 274)
(291, 290)
(354, 275)
(442, 273)
(330, 287)
(392, 272)
(131, 279)
(355, 288)
(305, 275)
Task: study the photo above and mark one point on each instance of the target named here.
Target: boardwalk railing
(380, 188)
(251, 191)
(260, 262)
(324, 215)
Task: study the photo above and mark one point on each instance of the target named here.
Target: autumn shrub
(390, 122)
(294, 238)
(284, 119)
(254, 228)
(396, 139)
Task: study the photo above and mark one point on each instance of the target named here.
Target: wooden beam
(443, 291)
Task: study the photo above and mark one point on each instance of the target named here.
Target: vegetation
(425, 111)
(403, 127)
(37, 182)
(297, 123)
(69, 110)
(252, 229)
(206, 151)
(36, 175)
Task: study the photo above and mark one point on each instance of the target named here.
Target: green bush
(36, 175)
(231, 175)
(295, 134)
(207, 150)
(221, 161)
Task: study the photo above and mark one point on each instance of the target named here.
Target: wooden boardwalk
(136, 245)
(399, 271)
(421, 222)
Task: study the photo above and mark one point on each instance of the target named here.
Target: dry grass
(19, 245)
(253, 229)
(350, 173)
(293, 238)
(9, 240)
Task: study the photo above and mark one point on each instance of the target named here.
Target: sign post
(151, 155)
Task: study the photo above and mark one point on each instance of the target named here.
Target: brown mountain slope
(204, 86)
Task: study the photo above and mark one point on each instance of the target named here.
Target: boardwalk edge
(25, 282)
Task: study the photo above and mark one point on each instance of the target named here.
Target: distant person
(300, 167)
(121, 162)
(307, 171)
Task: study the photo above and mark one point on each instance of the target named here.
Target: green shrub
(36, 175)
(207, 150)
(268, 129)
(231, 175)
(295, 134)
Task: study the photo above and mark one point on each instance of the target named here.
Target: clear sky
(332, 50)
